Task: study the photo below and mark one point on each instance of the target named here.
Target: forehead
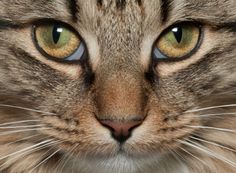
(126, 13)
(149, 8)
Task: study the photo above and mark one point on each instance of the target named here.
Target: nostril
(121, 131)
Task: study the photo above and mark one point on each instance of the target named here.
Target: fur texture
(49, 110)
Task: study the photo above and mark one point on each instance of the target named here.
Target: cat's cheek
(88, 134)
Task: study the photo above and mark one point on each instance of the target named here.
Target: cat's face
(119, 85)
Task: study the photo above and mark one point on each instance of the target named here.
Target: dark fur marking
(165, 8)
(120, 4)
(8, 24)
(74, 10)
(139, 2)
(202, 64)
(231, 26)
(34, 64)
(99, 2)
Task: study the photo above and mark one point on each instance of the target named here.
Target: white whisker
(227, 92)
(217, 156)
(207, 151)
(20, 127)
(212, 128)
(213, 143)
(27, 148)
(44, 146)
(67, 157)
(209, 108)
(73, 166)
(26, 109)
(70, 154)
(178, 156)
(46, 159)
(40, 147)
(23, 139)
(217, 114)
(19, 122)
(193, 156)
(21, 131)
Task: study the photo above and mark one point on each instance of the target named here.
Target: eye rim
(167, 59)
(45, 22)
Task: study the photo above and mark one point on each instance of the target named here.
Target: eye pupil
(56, 33)
(178, 33)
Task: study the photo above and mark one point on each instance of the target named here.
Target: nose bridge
(120, 97)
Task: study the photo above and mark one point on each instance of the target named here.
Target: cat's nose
(121, 131)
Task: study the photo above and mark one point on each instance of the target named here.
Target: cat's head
(106, 78)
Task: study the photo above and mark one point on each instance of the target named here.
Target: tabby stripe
(74, 10)
(202, 64)
(4, 24)
(165, 10)
(26, 57)
(120, 4)
(99, 2)
(139, 2)
(29, 59)
(231, 26)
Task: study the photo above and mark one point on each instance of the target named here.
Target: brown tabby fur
(119, 81)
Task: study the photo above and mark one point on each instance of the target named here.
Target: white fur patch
(124, 164)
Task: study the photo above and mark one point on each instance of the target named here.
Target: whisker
(28, 151)
(193, 156)
(218, 114)
(178, 156)
(207, 151)
(41, 147)
(60, 163)
(22, 131)
(25, 149)
(12, 158)
(209, 108)
(27, 109)
(70, 154)
(18, 122)
(18, 127)
(213, 143)
(211, 128)
(217, 156)
(226, 92)
(46, 159)
(73, 166)
(23, 139)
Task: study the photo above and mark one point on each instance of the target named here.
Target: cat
(118, 86)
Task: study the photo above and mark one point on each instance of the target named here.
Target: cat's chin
(127, 155)
(121, 162)
(119, 158)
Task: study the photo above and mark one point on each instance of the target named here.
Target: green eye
(177, 41)
(58, 41)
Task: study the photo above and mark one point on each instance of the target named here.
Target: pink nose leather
(121, 131)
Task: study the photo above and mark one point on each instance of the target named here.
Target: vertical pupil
(56, 33)
(178, 32)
